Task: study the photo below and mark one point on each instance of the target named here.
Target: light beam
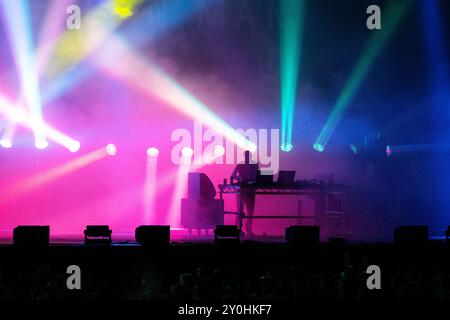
(17, 19)
(174, 218)
(154, 82)
(19, 116)
(391, 19)
(38, 180)
(150, 185)
(291, 34)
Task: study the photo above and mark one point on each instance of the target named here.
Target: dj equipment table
(318, 190)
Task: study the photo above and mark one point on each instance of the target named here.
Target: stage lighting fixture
(152, 152)
(219, 151)
(187, 152)
(6, 143)
(125, 8)
(388, 151)
(8, 135)
(111, 149)
(287, 147)
(31, 236)
(97, 235)
(41, 144)
(318, 147)
(447, 234)
(74, 147)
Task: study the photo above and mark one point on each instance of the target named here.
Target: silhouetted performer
(245, 175)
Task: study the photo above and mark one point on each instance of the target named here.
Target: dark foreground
(209, 272)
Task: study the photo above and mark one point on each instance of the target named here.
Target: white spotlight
(219, 151)
(74, 147)
(111, 149)
(6, 143)
(152, 152)
(41, 144)
(187, 152)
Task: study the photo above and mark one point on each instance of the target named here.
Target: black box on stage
(302, 234)
(200, 186)
(36, 236)
(227, 231)
(227, 234)
(153, 235)
(411, 234)
(201, 213)
(100, 234)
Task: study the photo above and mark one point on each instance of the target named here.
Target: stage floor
(181, 235)
(178, 235)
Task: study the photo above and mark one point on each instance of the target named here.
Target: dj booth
(201, 209)
(322, 193)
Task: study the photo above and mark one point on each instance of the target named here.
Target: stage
(225, 149)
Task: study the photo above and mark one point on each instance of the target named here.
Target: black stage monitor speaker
(157, 236)
(36, 236)
(227, 234)
(303, 234)
(201, 213)
(97, 235)
(200, 187)
(411, 234)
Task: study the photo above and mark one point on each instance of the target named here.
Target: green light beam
(390, 22)
(291, 34)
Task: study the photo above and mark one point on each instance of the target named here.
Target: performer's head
(247, 157)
